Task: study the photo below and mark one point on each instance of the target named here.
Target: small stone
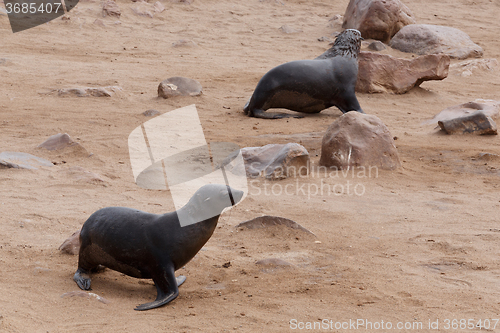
(184, 43)
(57, 142)
(276, 161)
(179, 86)
(110, 8)
(475, 123)
(145, 9)
(159, 7)
(377, 46)
(269, 221)
(99, 22)
(151, 113)
(83, 294)
(22, 161)
(469, 67)
(289, 30)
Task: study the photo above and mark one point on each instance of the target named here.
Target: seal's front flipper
(166, 288)
(82, 279)
(259, 113)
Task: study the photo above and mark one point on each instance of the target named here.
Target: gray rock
(269, 221)
(83, 294)
(184, 43)
(72, 244)
(89, 91)
(57, 142)
(476, 123)
(377, 19)
(151, 113)
(489, 107)
(381, 73)
(377, 46)
(432, 39)
(359, 140)
(22, 161)
(276, 161)
(179, 86)
(289, 30)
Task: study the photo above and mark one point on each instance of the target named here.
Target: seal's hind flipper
(166, 288)
(180, 280)
(259, 113)
(82, 279)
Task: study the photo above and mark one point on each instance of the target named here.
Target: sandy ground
(420, 244)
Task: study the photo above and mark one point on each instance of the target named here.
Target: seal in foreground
(310, 86)
(151, 246)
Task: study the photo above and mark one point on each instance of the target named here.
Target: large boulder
(432, 39)
(379, 73)
(377, 19)
(359, 140)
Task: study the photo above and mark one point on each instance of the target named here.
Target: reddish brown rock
(276, 161)
(179, 86)
(377, 19)
(433, 39)
(476, 123)
(110, 8)
(359, 140)
(378, 73)
(72, 244)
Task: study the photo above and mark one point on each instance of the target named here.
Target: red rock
(377, 19)
(432, 39)
(359, 140)
(379, 73)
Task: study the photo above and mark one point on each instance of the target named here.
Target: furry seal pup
(310, 86)
(151, 246)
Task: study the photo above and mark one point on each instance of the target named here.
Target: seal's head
(347, 44)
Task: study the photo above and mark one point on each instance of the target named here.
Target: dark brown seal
(151, 246)
(310, 86)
